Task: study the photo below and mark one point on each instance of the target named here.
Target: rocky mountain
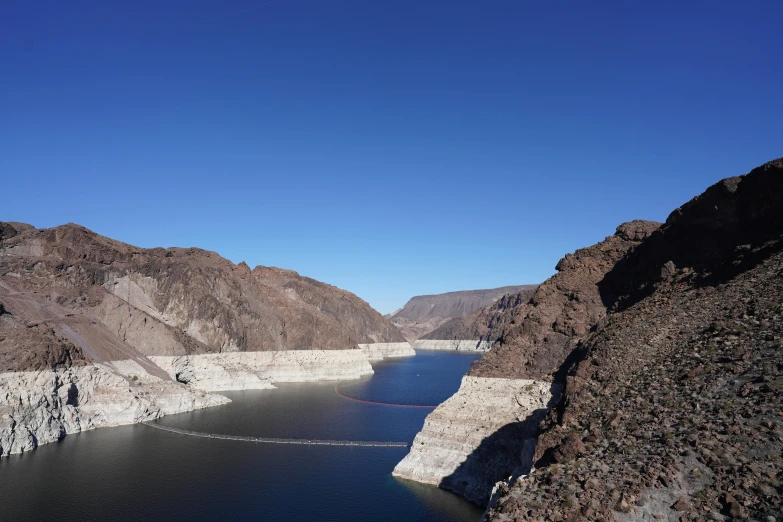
(533, 337)
(79, 310)
(174, 301)
(663, 346)
(533, 330)
(672, 406)
(475, 439)
(424, 313)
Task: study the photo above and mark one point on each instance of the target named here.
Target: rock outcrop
(260, 370)
(534, 334)
(178, 301)
(668, 342)
(425, 313)
(379, 351)
(671, 408)
(76, 306)
(482, 434)
(455, 345)
(533, 338)
(38, 407)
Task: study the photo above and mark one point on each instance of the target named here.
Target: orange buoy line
(337, 389)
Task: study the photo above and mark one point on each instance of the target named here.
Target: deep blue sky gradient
(391, 148)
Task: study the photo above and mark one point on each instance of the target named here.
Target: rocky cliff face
(38, 407)
(532, 331)
(455, 345)
(194, 300)
(534, 334)
(483, 433)
(672, 404)
(260, 370)
(534, 337)
(425, 313)
(74, 306)
(667, 340)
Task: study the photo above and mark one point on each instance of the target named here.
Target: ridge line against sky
(389, 148)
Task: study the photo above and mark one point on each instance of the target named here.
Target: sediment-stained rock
(175, 301)
(379, 351)
(260, 370)
(533, 335)
(672, 403)
(81, 311)
(39, 407)
(458, 345)
(458, 448)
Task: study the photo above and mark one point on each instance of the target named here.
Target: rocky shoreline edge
(44, 406)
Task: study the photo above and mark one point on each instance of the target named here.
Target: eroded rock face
(482, 434)
(80, 312)
(673, 344)
(534, 333)
(380, 351)
(424, 313)
(484, 324)
(175, 301)
(260, 370)
(455, 345)
(717, 234)
(672, 403)
(535, 337)
(44, 406)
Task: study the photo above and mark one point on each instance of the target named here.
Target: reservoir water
(140, 473)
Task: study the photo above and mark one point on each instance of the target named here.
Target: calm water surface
(137, 472)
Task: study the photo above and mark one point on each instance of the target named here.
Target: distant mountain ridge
(424, 313)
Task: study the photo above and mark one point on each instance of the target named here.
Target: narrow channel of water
(137, 472)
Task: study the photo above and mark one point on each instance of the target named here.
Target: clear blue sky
(391, 148)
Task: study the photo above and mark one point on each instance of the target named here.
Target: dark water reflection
(136, 472)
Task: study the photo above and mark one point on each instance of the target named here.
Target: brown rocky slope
(70, 295)
(673, 403)
(478, 324)
(424, 313)
(534, 331)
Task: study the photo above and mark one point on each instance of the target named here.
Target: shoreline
(44, 406)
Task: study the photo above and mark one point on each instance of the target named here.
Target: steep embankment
(533, 337)
(221, 307)
(671, 357)
(425, 313)
(672, 407)
(79, 307)
(670, 352)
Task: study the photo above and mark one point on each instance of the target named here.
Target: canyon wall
(379, 351)
(80, 312)
(671, 406)
(485, 433)
(39, 407)
(457, 345)
(260, 370)
(482, 434)
(425, 313)
(177, 301)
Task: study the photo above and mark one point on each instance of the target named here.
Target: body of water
(137, 472)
